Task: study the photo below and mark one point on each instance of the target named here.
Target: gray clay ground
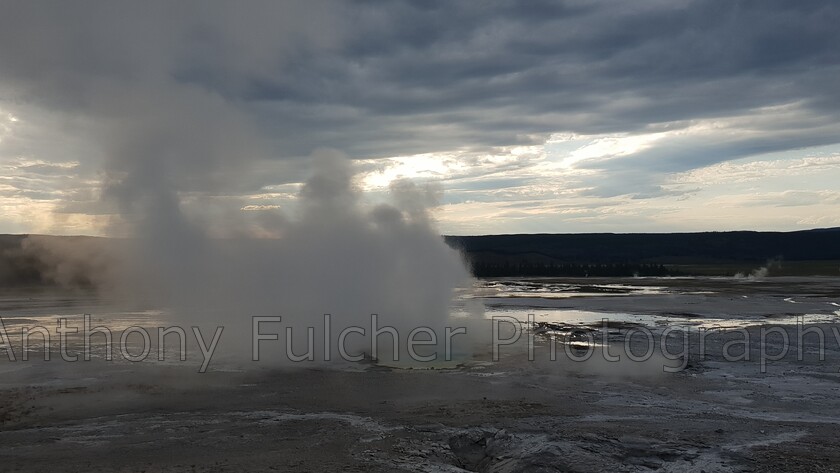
(509, 416)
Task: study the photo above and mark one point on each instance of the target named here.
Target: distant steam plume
(762, 272)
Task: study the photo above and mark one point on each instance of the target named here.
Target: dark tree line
(665, 248)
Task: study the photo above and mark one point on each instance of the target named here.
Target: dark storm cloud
(221, 83)
(493, 77)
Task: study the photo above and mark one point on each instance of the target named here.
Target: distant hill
(40, 260)
(618, 254)
(85, 261)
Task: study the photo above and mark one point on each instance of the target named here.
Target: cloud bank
(507, 104)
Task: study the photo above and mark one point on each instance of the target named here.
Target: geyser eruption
(337, 256)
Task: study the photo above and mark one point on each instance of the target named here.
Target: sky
(515, 117)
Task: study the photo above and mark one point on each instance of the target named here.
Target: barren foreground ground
(507, 416)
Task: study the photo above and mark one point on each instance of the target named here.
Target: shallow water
(655, 303)
(663, 302)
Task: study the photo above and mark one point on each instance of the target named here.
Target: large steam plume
(162, 95)
(337, 256)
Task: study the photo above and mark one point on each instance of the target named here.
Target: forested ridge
(80, 261)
